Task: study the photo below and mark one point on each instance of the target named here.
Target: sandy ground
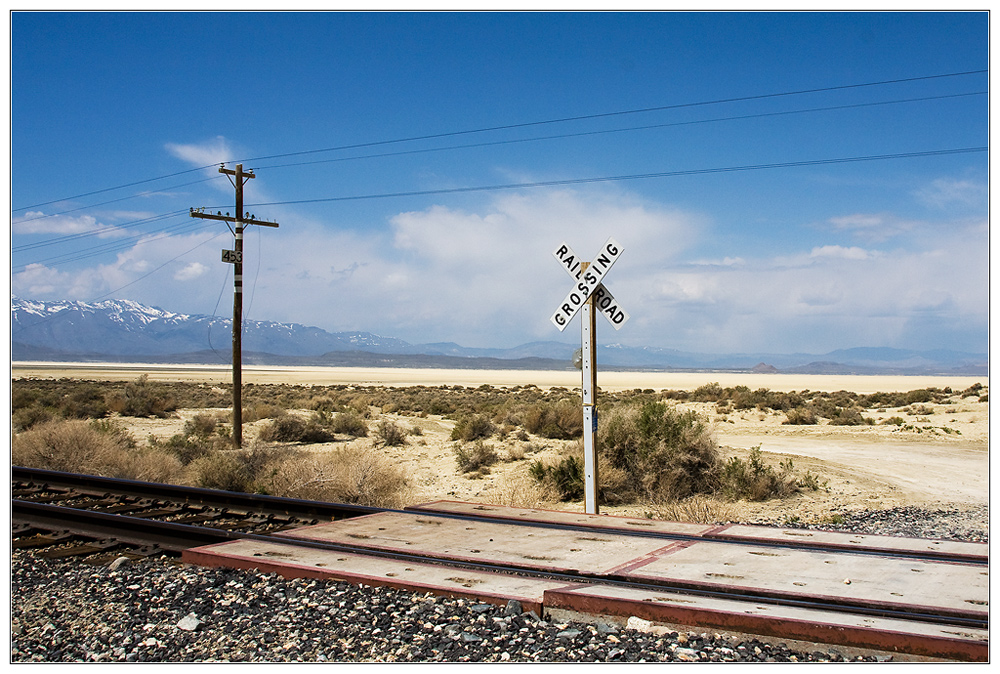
(607, 380)
(939, 459)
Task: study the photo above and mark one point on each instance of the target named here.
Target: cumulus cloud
(485, 276)
(190, 271)
(848, 253)
(214, 151)
(37, 222)
(843, 296)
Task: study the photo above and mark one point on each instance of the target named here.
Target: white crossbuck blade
(589, 283)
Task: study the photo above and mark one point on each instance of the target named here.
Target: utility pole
(238, 178)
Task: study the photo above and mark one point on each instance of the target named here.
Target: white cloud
(945, 192)
(486, 277)
(37, 222)
(872, 226)
(214, 151)
(851, 253)
(842, 297)
(190, 271)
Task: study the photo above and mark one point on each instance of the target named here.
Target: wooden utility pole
(238, 178)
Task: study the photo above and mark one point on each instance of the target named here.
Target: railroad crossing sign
(590, 283)
(588, 295)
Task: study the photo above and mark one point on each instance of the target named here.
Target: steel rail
(171, 536)
(261, 503)
(302, 508)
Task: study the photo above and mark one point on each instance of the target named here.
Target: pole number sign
(589, 283)
(232, 256)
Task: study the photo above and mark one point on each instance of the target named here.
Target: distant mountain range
(122, 330)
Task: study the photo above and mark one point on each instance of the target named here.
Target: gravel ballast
(160, 610)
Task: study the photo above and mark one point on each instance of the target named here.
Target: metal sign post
(589, 296)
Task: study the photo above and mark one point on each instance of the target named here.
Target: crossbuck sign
(589, 283)
(589, 294)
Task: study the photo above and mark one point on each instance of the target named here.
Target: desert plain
(938, 459)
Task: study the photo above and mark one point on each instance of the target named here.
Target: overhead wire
(176, 257)
(22, 328)
(636, 176)
(172, 230)
(113, 201)
(502, 127)
(112, 189)
(94, 232)
(602, 115)
(115, 246)
(644, 127)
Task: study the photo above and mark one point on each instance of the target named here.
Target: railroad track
(101, 518)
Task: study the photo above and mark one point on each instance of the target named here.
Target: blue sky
(365, 131)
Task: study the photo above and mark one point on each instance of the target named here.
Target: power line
(601, 115)
(113, 201)
(111, 189)
(644, 127)
(502, 127)
(94, 232)
(112, 292)
(133, 282)
(636, 176)
(111, 247)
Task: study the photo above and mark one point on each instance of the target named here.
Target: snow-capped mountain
(123, 328)
(116, 329)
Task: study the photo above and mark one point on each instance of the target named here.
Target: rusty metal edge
(213, 558)
(789, 628)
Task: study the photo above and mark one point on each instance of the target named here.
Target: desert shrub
(894, 421)
(222, 470)
(565, 477)
(848, 416)
(96, 449)
(472, 428)
(290, 428)
(84, 402)
(239, 470)
(666, 454)
(517, 490)
(744, 399)
(701, 509)
(800, 416)
(919, 396)
(349, 423)
(262, 410)
(350, 475)
(515, 453)
(708, 393)
(390, 434)
(187, 448)
(201, 424)
(141, 398)
(475, 457)
(754, 480)
(324, 404)
(24, 418)
(562, 420)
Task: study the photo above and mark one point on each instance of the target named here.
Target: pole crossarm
(246, 220)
